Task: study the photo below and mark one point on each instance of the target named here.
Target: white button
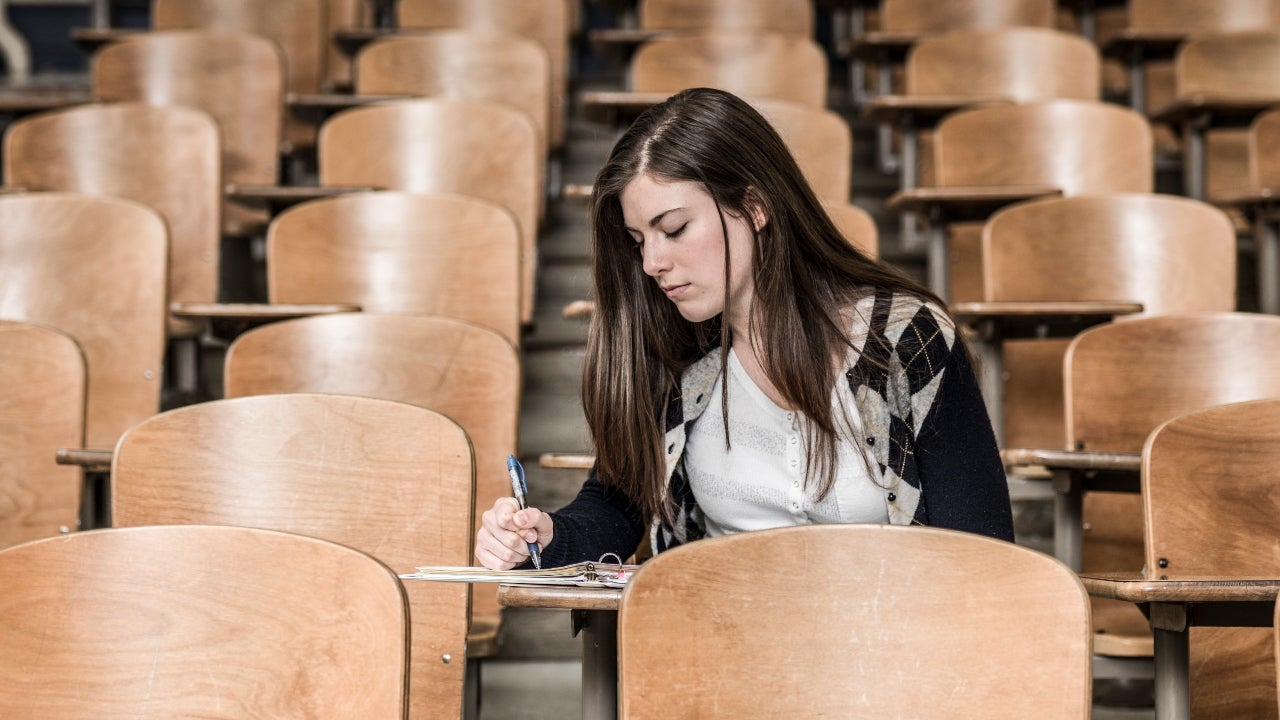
(793, 440)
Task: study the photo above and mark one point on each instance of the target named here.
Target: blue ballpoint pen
(518, 489)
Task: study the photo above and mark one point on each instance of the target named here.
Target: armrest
(623, 38)
(1248, 198)
(1080, 469)
(577, 191)
(89, 459)
(1129, 44)
(90, 39)
(1012, 320)
(278, 197)
(618, 105)
(1226, 110)
(961, 201)
(326, 103)
(578, 309)
(231, 319)
(923, 110)
(22, 100)
(569, 461)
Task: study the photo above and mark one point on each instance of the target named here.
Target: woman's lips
(675, 291)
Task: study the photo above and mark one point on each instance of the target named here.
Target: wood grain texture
(466, 372)
(827, 620)
(42, 409)
(397, 252)
(95, 268)
(199, 621)
(386, 478)
(480, 149)
(750, 64)
(925, 16)
(795, 17)
(1020, 63)
(1194, 16)
(819, 139)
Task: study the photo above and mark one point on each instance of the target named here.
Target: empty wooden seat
(389, 479)
(1017, 62)
(165, 157)
(784, 16)
(863, 634)
(41, 409)
(94, 268)
(447, 255)
(925, 16)
(481, 149)
(751, 64)
(820, 140)
(199, 621)
(464, 64)
(237, 78)
(1210, 483)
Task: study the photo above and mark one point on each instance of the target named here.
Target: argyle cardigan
(926, 429)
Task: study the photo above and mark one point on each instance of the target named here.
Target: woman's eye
(677, 231)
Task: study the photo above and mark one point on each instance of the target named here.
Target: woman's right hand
(506, 531)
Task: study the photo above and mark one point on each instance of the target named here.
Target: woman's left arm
(962, 479)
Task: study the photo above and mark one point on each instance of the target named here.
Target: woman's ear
(756, 210)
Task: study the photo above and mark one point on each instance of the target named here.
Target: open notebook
(583, 574)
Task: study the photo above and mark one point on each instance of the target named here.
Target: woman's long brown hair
(805, 273)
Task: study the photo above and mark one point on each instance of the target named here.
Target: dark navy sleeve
(601, 519)
(962, 478)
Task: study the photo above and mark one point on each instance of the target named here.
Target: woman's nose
(655, 257)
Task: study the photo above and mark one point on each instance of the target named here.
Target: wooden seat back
(819, 139)
(547, 22)
(1075, 145)
(397, 252)
(857, 225)
(463, 64)
(94, 268)
(785, 16)
(750, 64)
(1194, 16)
(466, 372)
(481, 149)
(1211, 493)
(297, 27)
(1264, 150)
(199, 621)
(389, 479)
(1020, 63)
(927, 16)
(41, 409)
(165, 157)
(1169, 253)
(237, 78)
(858, 629)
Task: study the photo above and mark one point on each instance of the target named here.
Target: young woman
(748, 368)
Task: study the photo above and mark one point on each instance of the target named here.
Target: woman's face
(678, 234)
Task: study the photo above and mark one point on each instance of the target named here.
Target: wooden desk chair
(469, 373)
(657, 18)
(1258, 202)
(296, 26)
(1172, 254)
(1222, 81)
(389, 479)
(395, 252)
(971, 66)
(165, 157)
(94, 268)
(1124, 379)
(1209, 498)
(821, 141)
(988, 157)
(752, 64)
(481, 149)
(548, 22)
(200, 621)
(957, 621)
(41, 410)
(462, 64)
(235, 77)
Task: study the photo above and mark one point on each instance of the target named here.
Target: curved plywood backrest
(165, 157)
(1076, 145)
(785, 16)
(388, 251)
(95, 268)
(481, 149)
(463, 64)
(237, 78)
(926, 16)
(389, 479)
(547, 22)
(1242, 63)
(819, 139)
(1196, 16)
(991, 619)
(750, 64)
(1021, 63)
(1172, 254)
(200, 621)
(41, 409)
(466, 372)
(856, 224)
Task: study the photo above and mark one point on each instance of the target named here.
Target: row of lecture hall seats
(400, 243)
